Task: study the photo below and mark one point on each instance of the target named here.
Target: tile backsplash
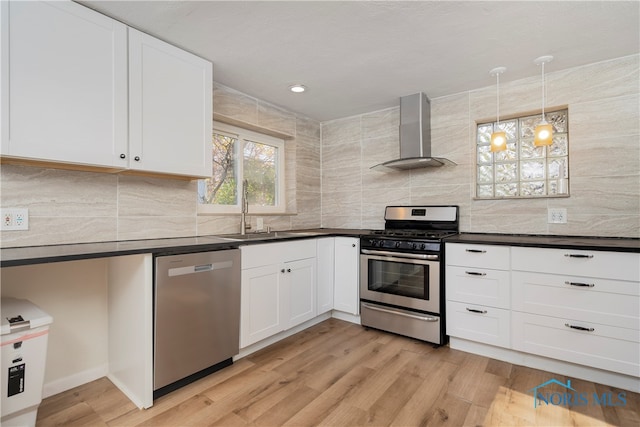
(329, 182)
(604, 119)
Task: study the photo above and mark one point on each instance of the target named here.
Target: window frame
(518, 159)
(242, 136)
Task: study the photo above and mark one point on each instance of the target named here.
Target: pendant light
(543, 134)
(498, 137)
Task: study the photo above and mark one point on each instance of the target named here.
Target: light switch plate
(14, 219)
(557, 216)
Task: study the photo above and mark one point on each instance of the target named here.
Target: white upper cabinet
(80, 88)
(63, 84)
(170, 101)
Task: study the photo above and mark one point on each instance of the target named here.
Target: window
(523, 170)
(240, 154)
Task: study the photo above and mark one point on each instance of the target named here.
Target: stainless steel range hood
(415, 137)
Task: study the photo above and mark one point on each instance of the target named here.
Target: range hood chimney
(415, 136)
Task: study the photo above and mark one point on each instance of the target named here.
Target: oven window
(399, 278)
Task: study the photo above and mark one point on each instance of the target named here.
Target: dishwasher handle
(192, 269)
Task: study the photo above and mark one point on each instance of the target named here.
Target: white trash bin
(25, 329)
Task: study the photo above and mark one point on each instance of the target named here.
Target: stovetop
(414, 234)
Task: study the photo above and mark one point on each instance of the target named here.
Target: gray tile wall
(74, 206)
(603, 101)
(331, 184)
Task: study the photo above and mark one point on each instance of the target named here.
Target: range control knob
(397, 244)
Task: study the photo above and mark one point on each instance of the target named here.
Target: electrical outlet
(15, 219)
(557, 216)
(259, 223)
(7, 219)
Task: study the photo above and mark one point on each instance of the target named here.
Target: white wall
(74, 293)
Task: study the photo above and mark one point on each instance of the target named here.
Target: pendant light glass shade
(498, 141)
(498, 137)
(543, 133)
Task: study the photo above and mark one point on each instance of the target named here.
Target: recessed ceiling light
(297, 88)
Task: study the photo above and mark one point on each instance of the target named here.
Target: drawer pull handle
(578, 256)
(475, 273)
(476, 251)
(582, 285)
(473, 310)
(580, 328)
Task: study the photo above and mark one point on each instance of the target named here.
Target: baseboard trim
(559, 367)
(63, 384)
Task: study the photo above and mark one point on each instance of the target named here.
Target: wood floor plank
(341, 374)
(418, 409)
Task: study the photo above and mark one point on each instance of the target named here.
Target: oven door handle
(401, 313)
(400, 254)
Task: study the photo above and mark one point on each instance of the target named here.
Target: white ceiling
(358, 57)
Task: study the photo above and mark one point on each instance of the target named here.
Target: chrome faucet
(245, 208)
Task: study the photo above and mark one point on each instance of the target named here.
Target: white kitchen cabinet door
(170, 105)
(346, 279)
(63, 84)
(299, 282)
(261, 311)
(325, 268)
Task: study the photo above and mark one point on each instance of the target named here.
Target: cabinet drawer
(603, 301)
(478, 286)
(481, 256)
(478, 323)
(273, 253)
(605, 347)
(611, 265)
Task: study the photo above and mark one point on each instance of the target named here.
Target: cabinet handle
(476, 251)
(136, 158)
(282, 271)
(288, 270)
(582, 285)
(580, 328)
(473, 310)
(578, 256)
(475, 273)
(123, 156)
(353, 245)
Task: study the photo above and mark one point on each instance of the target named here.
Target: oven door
(400, 280)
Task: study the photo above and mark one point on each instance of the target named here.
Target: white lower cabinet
(578, 341)
(478, 297)
(479, 323)
(580, 307)
(347, 275)
(278, 288)
(326, 269)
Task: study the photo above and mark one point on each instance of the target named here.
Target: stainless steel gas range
(402, 273)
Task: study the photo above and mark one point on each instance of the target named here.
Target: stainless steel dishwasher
(196, 316)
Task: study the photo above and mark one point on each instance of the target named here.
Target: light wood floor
(341, 374)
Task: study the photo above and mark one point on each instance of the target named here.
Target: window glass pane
(523, 170)
(485, 174)
(260, 170)
(506, 190)
(485, 190)
(221, 188)
(506, 172)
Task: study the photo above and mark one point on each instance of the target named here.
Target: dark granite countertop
(69, 252)
(621, 244)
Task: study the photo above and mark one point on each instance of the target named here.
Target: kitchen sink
(269, 235)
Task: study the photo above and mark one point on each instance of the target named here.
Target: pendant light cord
(543, 92)
(498, 99)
